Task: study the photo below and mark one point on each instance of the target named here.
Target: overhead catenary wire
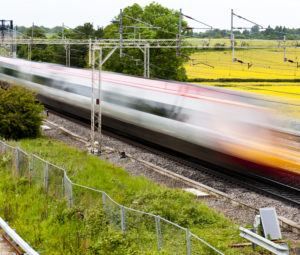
(197, 21)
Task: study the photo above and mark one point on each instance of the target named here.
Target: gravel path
(5, 249)
(238, 214)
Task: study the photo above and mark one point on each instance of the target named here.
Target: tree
(163, 62)
(57, 53)
(20, 113)
(79, 53)
(38, 52)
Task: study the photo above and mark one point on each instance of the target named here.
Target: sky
(216, 13)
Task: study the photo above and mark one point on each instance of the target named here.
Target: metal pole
(66, 49)
(29, 49)
(122, 218)
(121, 32)
(103, 199)
(188, 242)
(284, 49)
(15, 43)
(179, 32)
(68, 52)
(18, 160)
(158, 233)
(99, 103)
(231, 35)
(11, 35)
(63, 31)
(32, 30)
(145, 61)
(29, 52)
(93, 104)
(90, 52)
(69, 55)
(46, 177)
(148, 62)
(233, 57)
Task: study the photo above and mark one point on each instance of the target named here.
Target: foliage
(38, 52)
(57, 53)
(79, 53)
(20, 113)
(164, 63)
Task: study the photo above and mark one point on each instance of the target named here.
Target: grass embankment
(52, 228)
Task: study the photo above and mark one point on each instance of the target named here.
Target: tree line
(269, 33)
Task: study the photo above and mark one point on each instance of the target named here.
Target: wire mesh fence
(162, 234)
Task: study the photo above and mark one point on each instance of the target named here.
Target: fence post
(29, 168)
(103, 199)
(63, 187)
(71, 195)
(32, 167)
(65, 184)
(188, 241)
(18, 160)
(46, 178)
(122, 218)
(158, 233)
(4, 147)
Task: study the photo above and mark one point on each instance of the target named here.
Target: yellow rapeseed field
(257, 64)
(265, 64)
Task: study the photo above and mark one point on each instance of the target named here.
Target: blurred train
(232, 130)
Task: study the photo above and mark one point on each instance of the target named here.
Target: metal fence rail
(165, 234)
(16, 238)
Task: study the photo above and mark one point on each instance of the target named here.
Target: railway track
(257, 184)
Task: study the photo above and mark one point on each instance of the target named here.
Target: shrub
(20, 113)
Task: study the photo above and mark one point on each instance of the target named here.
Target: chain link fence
(163, 234)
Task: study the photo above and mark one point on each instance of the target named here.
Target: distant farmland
(263, 71)
(258, 64)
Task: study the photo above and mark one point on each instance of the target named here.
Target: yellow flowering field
(286, 94)
(267, 64)
(257, 64)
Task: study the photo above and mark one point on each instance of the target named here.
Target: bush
(20, 113)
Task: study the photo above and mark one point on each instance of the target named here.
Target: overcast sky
(51, 13)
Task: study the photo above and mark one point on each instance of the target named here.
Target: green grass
(52, 228)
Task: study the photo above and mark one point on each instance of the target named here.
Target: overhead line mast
(187, 28)
(232, 35)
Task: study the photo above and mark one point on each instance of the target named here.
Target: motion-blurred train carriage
(225, 128)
